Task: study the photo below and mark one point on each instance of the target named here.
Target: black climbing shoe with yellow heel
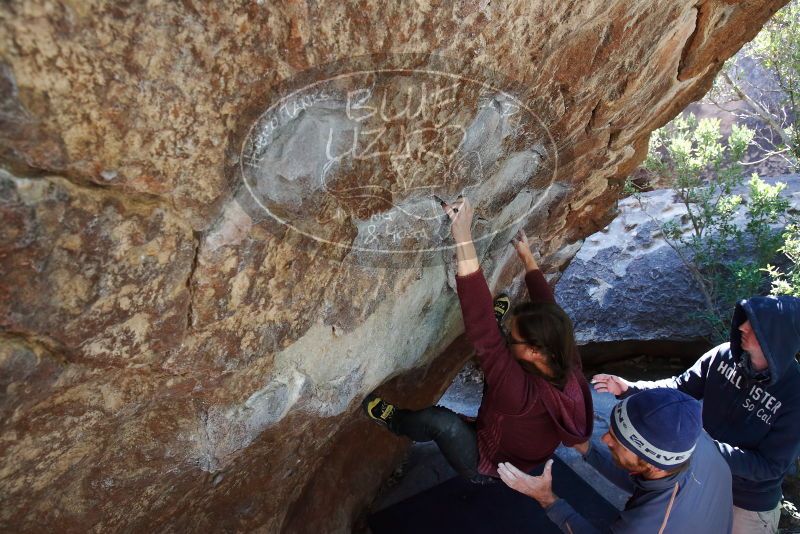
(378, 409)
(501, 306)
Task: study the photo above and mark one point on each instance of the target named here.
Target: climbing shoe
(501, 306)
(378, 409)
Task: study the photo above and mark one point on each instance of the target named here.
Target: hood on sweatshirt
(571, 408)
(776, 324)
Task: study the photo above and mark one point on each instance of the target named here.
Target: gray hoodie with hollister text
(753, 419)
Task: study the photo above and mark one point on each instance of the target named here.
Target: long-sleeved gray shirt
(697, 499)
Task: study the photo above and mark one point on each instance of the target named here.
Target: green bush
(773, 100)
(704, 173)
(788, 283)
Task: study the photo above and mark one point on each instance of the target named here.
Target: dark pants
(456, 438)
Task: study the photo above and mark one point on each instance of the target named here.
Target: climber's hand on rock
(610, 384)
(521, 244)
(523, 248)
(460, 213)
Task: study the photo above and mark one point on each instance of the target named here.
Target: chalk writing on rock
(355, 159)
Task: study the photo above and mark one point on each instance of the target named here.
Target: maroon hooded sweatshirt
(523, 417)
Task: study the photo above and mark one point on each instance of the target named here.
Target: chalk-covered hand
(523, 248)
(539, 488)
(460, 213)
(613, 384)
(521, 244)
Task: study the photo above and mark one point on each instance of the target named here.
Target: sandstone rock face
(189, 313)
(626, 285)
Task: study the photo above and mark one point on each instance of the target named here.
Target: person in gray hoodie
(657, 451)
(750, 389)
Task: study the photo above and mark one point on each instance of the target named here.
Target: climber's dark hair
(547, 327)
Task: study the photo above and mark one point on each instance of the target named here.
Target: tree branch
(759, 110)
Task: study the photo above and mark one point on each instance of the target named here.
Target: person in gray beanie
(750, 389)
(657, 451)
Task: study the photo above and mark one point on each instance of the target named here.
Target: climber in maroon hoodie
(534, 396)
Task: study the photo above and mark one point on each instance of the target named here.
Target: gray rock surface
(625, 283)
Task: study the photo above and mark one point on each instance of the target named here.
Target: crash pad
(457, 505)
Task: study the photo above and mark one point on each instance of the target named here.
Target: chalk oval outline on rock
(294, 121)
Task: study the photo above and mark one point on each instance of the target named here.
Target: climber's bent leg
(456, 438)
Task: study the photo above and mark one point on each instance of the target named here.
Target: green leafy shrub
(728, 260)
(774, 99)
(788, 283)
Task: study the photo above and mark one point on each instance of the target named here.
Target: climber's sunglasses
(511, 341)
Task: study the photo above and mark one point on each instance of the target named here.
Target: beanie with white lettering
(661, 426)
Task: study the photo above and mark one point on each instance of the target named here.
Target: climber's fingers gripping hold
(460, 213)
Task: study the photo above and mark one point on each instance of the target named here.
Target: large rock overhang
(181, 346)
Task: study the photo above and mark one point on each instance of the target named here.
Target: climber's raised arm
(460, 213)
(538, 288)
